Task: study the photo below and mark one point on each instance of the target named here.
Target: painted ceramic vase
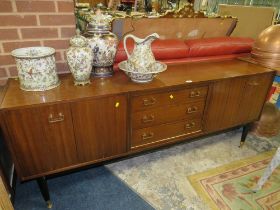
(79, 58)
(36, 68)
(103, 44)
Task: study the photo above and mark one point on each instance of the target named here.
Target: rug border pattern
(194, 179)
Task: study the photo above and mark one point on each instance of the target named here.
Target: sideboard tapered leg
(43, 185)
(245, 131)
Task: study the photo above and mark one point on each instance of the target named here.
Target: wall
(25, 23)
(248, 17)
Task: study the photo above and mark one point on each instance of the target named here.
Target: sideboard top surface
(176, 74)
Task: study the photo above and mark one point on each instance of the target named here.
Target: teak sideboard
(73, 126)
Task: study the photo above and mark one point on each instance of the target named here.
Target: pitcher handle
(124, 43)
(135, 39)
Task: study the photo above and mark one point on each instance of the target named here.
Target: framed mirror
(138, 5)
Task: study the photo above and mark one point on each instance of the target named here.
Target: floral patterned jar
(79, 58)
(103, 44)
(36, 68)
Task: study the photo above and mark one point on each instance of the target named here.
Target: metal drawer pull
(195, 94)
(254, 83)
(190, 125)
(53, 119)
(149, 102)
(146, 136)
(147, 119)
(192, 109)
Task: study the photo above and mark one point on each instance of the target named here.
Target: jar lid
(100, 20)
(78, 40)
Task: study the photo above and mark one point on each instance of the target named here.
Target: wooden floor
(5, 202)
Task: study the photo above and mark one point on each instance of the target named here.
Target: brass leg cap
(49, 204)
(241, 144)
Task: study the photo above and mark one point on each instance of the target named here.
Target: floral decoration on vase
(103, 43)
(79, 58)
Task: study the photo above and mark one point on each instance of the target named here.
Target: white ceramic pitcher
(142, 56)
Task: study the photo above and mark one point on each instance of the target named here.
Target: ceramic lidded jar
(103, 44)
(36, 68)
(79, 58)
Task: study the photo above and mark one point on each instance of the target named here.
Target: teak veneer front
(69, 126)
(176, 75)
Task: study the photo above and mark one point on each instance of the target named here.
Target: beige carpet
(160, 177)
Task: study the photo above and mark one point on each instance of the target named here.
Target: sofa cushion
(162, 49)
(197, 59)
(219, 46)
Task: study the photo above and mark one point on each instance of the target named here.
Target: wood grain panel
(153, 100)
(150, 135)
(256, 89)
(224, 104)
(100, 127)
(166, 114)
(175, 75)
(41, 146)
(236, 101)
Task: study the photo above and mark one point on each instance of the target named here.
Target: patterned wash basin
(143, 77)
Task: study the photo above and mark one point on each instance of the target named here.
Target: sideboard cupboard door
(224, 104)
(256, 89)
(236, 101)
(42, 138)
(100, 127)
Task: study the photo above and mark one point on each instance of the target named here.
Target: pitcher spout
(149, 39)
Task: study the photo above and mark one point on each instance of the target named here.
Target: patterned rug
(229, 187)
(160, 176)
(261, 144)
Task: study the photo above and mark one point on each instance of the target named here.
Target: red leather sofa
(182, 51)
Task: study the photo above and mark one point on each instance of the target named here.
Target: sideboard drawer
(159, 115)
(164, 132)
(168, 98)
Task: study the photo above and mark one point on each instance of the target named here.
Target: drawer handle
(149, 102)
(147, 119)
(53, 119)
(195, 94)
(192, 109)
(254, 83)
(146, 136)
(190, 125)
